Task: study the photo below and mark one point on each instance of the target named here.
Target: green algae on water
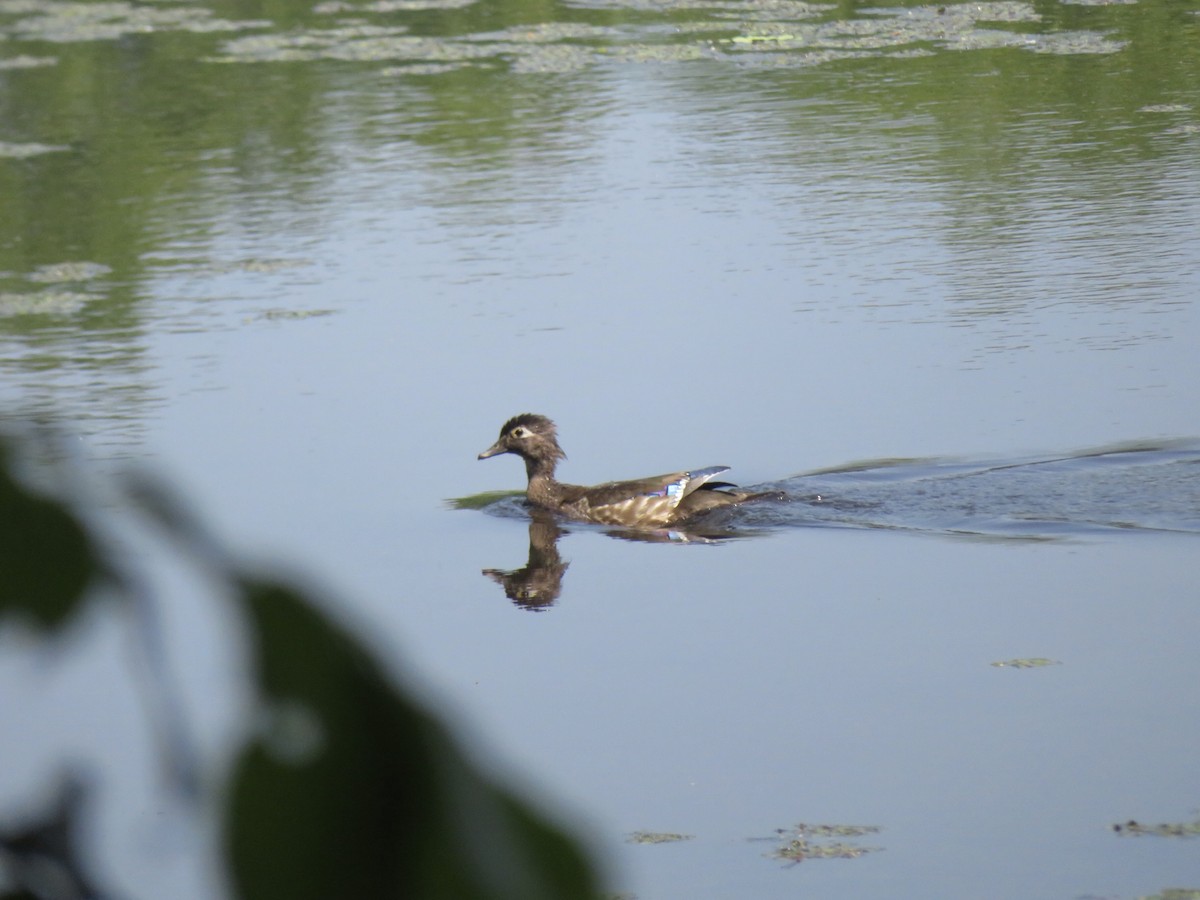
(57, 273)
(805, 841)
(21, 151)
(42, 303)
(1029, 662)
(1163, 829)
(657, 837)
(480, 501)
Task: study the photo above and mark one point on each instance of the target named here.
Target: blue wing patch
(678, 489)
(672, 490)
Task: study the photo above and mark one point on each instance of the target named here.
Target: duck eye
(519, 433)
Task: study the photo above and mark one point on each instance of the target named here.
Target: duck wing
(671, 488)
(640, 503)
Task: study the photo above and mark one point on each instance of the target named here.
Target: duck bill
(494, 450)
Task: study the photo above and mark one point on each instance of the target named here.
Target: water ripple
(1152, 486)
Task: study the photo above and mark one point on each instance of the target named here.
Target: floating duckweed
(70, 22)
(767, 32)
(950, 27)
(485, 499)
(261, 266)
(358, 43)
(1163, 829)
(1071, 42)
(42, 303)
(20, 151)
(554, 58)
(531, 49)
(823, 842)
(387, 6)
(910, 53)
(838, 830)
(657, 837)
(775, 8)
(799, 850)
(271, 48)
(423, 69)
(754, 38)
(658, 53)
(999, 11)
(806, 58)
(68, 271)
(1032, 662)
(546, 32)
(278, 314)
(16, 7)
(28, 62)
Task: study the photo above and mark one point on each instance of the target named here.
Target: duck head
(529, 436)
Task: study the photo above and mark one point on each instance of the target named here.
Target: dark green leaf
(46, 559)
(353, 791)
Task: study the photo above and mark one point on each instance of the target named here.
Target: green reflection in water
(130, 148)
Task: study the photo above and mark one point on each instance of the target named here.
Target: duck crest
(653, 502)
(532, 421)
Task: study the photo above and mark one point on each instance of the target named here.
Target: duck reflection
(538, 584)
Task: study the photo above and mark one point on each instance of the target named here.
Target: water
(973, 268)
(845, 676)
(1129, 487)
(1132, 487)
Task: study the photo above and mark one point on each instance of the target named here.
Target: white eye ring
(520, 432)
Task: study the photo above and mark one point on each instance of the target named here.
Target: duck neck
(541, 479)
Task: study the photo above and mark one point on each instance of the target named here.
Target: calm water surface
(934, 274)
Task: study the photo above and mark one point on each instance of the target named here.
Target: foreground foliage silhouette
(348, 788)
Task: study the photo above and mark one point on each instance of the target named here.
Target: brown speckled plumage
(655, 502)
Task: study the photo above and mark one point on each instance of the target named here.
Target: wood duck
(655, 502)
